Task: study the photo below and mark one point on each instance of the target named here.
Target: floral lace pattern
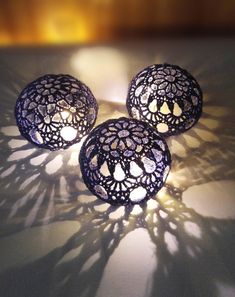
(124, 161)
(55, 111)
(167, 97)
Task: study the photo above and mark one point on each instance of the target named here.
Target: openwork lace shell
(124, 161)
(167, 97)
(55, 111)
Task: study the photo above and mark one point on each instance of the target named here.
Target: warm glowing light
(104, 69)
(162, 193)
(68, 133)
(170, 177)
(66, 115)
(167, 97)
(55, 111)
(138, 194)
(124, 161)
(74, 31)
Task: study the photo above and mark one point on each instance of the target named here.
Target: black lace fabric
(167, 97)
(55, 111)
(124, 161)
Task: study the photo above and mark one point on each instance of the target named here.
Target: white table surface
(57, 240)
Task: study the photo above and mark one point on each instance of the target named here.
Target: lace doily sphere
(124, 161)
(167, 97)
(55, 111)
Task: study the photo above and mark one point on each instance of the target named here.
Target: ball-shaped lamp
(167, 97)
(124, 161)
(55, 111)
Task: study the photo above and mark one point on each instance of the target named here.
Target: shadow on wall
(40, 188)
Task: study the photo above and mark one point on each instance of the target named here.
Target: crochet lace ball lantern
(124, 161)
(167, 97)
(55, 111)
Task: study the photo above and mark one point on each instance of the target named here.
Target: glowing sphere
(167, 97)
(55, 111)
(124, 161)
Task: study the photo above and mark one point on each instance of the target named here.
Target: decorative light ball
(55, 111)
(124, 161)
(167, 97)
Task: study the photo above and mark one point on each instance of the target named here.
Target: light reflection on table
(60, 240)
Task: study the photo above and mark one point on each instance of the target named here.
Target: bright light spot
(177, 148)
(65, 114)
(206, 135)
(171, 243)
(86, 199)
(133, 261)
(139, 90)
(16, 143)
(135, 170)
(163, 214)
(177, 110)
(161, 194)
(77, 146)
(138, 194)
(192, 141)
(162, 127)
(39, 159)
(101, 207)
(119, 174)
(165, 109)
(170, 177)
(16, 156)
(10, 131)
(73, 161)
(213, 199)
(54, 165)
(149, 165)
(192, 229)
(153, 106)
(104, 69)
(137, 210)
(68, 133)
(152, 204)
(118, 213)
(104, 169)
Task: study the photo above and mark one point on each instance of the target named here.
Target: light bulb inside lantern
(68, 133)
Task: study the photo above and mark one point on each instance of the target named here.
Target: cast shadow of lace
(48, 188)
